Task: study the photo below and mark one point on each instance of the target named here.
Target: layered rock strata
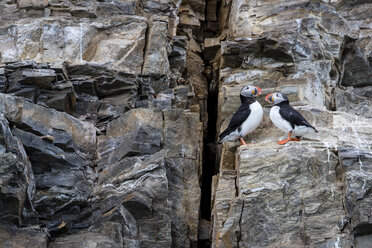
(109, 112)
(102, 107)
(314, 193)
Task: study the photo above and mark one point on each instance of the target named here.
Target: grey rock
(56, 171)
(32, 3)
(86, 239)
(48, 87)
(350, 101)
(136, 191)
(107, 173)
(121, 84)
(117, 7)
(65, 40)
(39, 77)
(137, 132)
(357, 163)
(308, 183)
(183, 167)
(3, 79)
(89, 69)
(158, 6)
(23, 237)
(84, 12)
(358, 62)
(17, 179)
(156, 55)
(69, 131)
(177, 58)
(85, 86)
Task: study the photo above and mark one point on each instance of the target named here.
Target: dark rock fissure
(209, 140)
(209, 157)
(239, 234)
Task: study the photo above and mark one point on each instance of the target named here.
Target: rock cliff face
(315, 193)
(102, 107)
(109, 113)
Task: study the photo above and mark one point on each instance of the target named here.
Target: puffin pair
(250, 113)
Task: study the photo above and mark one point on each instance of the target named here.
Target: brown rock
(23, 237)
(156, 55)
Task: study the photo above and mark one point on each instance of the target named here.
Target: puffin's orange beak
(259, 91)
(269, 98)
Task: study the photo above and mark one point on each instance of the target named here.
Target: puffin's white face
(276, 98)
(249, 91)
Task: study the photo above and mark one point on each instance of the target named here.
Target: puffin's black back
(292, 116)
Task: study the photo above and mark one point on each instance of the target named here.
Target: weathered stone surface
(354, 101)
(75, 70)
(87, 239)
(137, 132)
(47, 85)
(62, 177)
(177, 58)
(358, 174)
(211, 46)
(17, 187)
(156, 55)
(294, 200)
(23, 237)
(39, 77)
(140, 189)
(180, 160)
(56, 171)
(354, 96)
(119, 46)
(138, 183)
(224, 193)
(32, 3)
(3, 79)
(316, 53)
(121, 84)
(65, 130)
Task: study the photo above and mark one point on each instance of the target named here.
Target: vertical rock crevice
(211, 45)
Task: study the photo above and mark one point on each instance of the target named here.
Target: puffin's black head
(276, 98)
(249, 91)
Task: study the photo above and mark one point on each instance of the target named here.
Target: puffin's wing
(293, 117)
(237, 120)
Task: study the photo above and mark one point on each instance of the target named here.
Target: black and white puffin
(287, 118)
(246, 119)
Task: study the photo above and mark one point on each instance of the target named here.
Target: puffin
(246, 118)
(287, 118)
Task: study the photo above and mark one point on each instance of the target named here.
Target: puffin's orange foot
(282, 142)
(293, 139)
(242, 142)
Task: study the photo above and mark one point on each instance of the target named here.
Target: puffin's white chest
(253, 121)
(278, 120)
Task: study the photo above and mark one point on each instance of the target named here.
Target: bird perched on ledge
(246, 119)
(287, 118)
